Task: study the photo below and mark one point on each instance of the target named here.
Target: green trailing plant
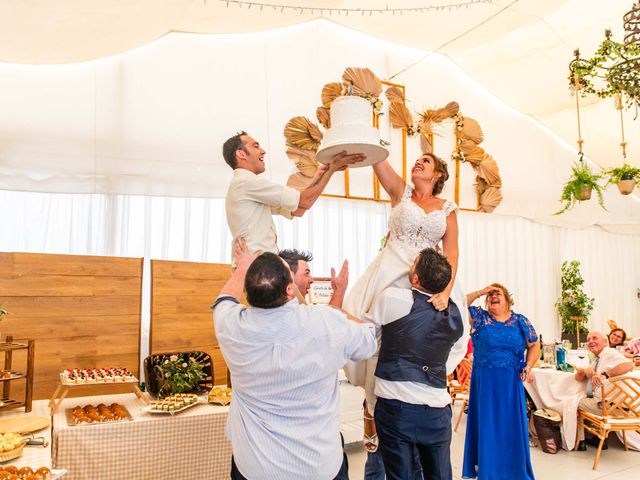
(179, 375)
(614, 69)
(573, 301)
(581, 176)
(625, 172)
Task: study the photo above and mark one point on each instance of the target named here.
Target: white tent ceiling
(518, 50)
(103, 114)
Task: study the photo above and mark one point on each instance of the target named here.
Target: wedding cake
(352, 130)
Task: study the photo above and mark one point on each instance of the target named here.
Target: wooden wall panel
(181, 318)
(83, 311)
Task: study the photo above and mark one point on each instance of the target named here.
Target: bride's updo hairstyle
(439, 167)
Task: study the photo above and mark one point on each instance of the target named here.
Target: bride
(418, 220)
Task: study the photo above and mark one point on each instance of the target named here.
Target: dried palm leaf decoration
(472, 131)
(323, 116)
(300, 132)
(330, 92)
(400, 116)
(304, 160)
(488, 171)
(394, 95)
(436, 116)
(362, 81)
(490, 199)
(425, 144)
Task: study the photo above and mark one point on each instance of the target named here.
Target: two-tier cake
(352, 130)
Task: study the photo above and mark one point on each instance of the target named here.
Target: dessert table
(191, 444)
(559, 391)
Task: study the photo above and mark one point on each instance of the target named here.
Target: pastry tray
(67, 383)
(171, 412)
(71, 423)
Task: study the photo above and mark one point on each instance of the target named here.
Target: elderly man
(252, 199)
(284, 359)
(608, 363)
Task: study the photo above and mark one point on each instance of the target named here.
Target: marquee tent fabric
(151, 121)
(517, 50)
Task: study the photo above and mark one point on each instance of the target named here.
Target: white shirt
(609, 358)
(250, 202)
(284, 418)
(391, 305)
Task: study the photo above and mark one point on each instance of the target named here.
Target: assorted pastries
(10, 441)
(79, 376)
(100, 414)
(221, 395)
(11, 472)
(174, 402)
(5, 374)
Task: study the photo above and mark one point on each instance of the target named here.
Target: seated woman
(617, 337)
(632, 350)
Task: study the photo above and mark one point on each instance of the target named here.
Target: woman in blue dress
(497, 439)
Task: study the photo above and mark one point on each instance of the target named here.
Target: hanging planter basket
(585, 193)
(626, 185)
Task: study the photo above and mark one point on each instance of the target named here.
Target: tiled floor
(615, 463)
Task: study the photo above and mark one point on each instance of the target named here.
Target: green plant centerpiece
(579, 186)
(625, 177)
(178, 375)
(574, 305)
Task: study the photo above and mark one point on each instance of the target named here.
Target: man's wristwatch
(605, 375)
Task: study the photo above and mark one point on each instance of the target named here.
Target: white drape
(524, 255)
(151, 121)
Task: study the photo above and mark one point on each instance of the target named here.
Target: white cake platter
(374, 153)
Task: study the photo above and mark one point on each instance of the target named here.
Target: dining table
(559, 391)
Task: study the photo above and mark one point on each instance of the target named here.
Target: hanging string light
(302, 9)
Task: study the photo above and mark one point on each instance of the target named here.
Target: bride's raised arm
(390, 181)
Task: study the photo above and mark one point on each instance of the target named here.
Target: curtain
(522, 254)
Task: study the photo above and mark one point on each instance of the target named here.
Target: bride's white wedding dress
(411, 230)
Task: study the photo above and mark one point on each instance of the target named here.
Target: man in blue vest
(413, 409)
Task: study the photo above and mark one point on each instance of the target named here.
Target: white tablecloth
(190, 444)
(559, 391)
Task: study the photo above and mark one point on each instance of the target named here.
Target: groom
(413, 409)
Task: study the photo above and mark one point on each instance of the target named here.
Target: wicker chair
(459, 389)
(620, 411)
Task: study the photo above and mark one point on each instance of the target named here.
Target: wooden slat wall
(181, 318)
(83, 312)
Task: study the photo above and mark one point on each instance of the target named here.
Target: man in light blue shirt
(284, 359)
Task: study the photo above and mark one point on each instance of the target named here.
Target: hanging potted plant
(625, 177)
(574, 305)
(580, 185)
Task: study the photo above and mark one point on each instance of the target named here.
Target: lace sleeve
(477, 316)
(449, 207)
(528, 332)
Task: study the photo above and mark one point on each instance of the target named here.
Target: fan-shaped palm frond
(330, 92)
(472, 131)
(362, 81)
(300, 132)
(323, 116)
(400, 116)
(304, 160)
(394, 95)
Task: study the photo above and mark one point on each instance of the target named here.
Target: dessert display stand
(64, 388)
(8, 347)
